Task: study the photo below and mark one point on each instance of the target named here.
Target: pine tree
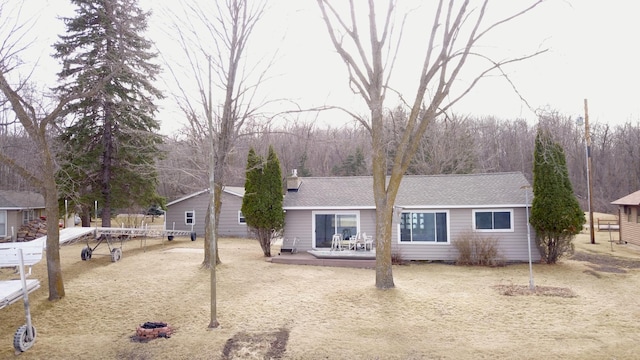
(111, 147)
(353, 165)
(303, 170)
(262, 201)
(555, 212)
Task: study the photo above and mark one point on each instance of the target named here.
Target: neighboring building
(629, 215)
(18, 208)
(188, 213)
(431, 212)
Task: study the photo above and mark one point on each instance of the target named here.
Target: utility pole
(587, 137)
(532, 285)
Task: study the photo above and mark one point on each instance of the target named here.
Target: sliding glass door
(328, 224)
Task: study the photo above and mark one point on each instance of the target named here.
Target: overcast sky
(593, 54)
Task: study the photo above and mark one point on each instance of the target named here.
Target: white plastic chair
(367, 241)
(336, 242)
(353, 241)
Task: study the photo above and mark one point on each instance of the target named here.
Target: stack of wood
(32, 230)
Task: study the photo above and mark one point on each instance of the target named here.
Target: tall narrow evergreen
(555, 212)
(111, 144)
(262, 201)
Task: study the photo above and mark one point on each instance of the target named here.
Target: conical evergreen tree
(262, 201)
(274, 191)
(555, 212)
(110, 148)
(250, 207)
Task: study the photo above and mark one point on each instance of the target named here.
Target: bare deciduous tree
(37, 118)
(453, 39)
(214, 39)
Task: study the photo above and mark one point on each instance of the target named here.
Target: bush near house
(474, 249)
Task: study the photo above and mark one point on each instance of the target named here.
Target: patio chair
(367, 241)
(336, 242)
(353, 241)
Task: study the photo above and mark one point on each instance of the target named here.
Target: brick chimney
(293, 181)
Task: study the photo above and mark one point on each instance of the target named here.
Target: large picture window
(424, 227)
(493, 220)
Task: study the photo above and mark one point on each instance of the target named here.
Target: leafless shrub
(396, 258)
(474, 249)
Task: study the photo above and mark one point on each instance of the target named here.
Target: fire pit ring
(151, 330)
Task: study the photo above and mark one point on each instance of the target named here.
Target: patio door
(328, 224)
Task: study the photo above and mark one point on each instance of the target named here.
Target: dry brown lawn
(586, 307)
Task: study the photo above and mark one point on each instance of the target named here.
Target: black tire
(193, 236)
(85, 254)
(170, 237)
(116, 254)
(21, 341)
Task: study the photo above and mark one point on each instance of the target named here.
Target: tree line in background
(452, 145)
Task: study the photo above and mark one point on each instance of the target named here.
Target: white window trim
(240, 216)
(413, 243)
(473, 220)
(28, 215)
(330, 212)
(193, 212)
(3, 228)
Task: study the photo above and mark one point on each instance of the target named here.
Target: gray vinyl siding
(368, 222)
(175, 215)
(297, 224)
(228, 225)
(14, 219)
(512, 245)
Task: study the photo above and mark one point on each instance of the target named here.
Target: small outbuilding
(18, 208)
(629, 215)
(188, 213)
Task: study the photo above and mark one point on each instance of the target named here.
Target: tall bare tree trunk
(54, 268)
(364, 53)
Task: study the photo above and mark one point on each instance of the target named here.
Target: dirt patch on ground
(606, 263)
(513, 290)
(266, 345)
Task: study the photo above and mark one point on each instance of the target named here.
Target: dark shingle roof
(233, 190)
(415, 191)
(10, 199)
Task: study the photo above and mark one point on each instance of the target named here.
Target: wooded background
(452, 145)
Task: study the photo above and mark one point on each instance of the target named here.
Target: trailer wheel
(85, 254)
(116, 254)
(21, 340)
(170, 237)
(193, 236)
